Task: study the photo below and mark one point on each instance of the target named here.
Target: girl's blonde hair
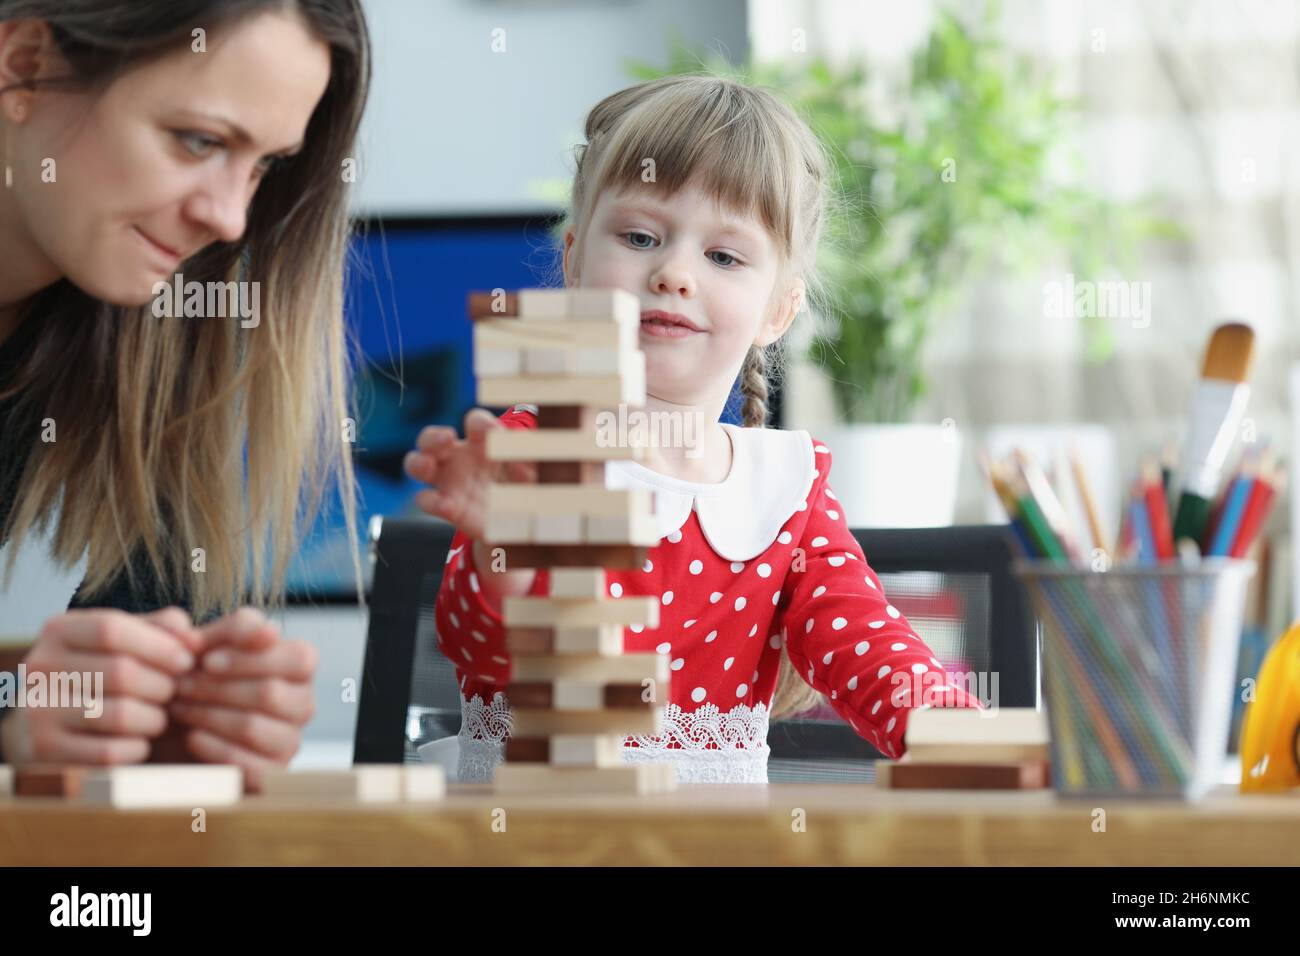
(750, 151)
(175, 434)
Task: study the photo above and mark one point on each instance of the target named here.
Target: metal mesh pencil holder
(1138, 664)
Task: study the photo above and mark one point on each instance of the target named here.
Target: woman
(182, 455)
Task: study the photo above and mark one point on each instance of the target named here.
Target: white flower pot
(894, 476)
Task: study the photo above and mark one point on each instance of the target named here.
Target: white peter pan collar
(772, 472)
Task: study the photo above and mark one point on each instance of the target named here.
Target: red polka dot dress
(761, 560)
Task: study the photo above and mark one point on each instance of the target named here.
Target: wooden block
(625, 668)
(423, 783)
(567, 500)
(598, 361)
(557, 529)
(527, 749)
(553, 361)
(529, 722)
(626, 388)
(165, 785)
(906, 775)
(537, 696)
(622, 307)
(586, 750)
(573, 417)
(498, 362)
(614, 696)
(6, 781)
(484, 305)
(543, 303)
(563, 360)
(964, 735)
(638, 529)
(631, 779)
(571, 473)
(365, 783)
(49, 781)
(566, 750)
(573, 555)
(528, 641)
(516, 333)
(604, 641)
(568, 694)
(556, 444)
(588, 583)
(595, 305)
(977, 753)
(565, 613)
(504, 526)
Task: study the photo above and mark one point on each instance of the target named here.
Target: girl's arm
(846, 639)
(471, 633)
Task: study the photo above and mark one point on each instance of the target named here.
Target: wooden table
(709, 825)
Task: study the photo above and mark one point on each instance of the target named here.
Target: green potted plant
(959, 179)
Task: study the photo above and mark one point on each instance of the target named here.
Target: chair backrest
(954, 585)
(401, 643)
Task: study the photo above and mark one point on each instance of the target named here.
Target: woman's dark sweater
(20, 429)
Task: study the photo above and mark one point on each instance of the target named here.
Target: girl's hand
(250, 697)
(460, 472)
(138, 660)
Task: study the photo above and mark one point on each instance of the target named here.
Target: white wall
(38, 590)
(456, 128)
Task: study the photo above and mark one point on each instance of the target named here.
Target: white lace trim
(706, 744)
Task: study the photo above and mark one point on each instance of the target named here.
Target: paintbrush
(1217, 408)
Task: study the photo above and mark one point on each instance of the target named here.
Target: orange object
(1270, 733)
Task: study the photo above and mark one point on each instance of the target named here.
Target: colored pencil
(1048, 545)
(1158, 512)
(1234, 507)
(1099, 539)
(1142, 530)
(1258, 506)
(1048, 503)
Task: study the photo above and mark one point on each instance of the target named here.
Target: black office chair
(954, 585)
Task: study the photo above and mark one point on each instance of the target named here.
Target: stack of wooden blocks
(966, 749)
(574, 694)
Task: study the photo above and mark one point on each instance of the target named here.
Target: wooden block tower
(574, 693)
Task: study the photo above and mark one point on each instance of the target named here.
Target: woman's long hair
(178, 434)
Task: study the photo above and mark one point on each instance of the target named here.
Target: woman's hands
(459, 471)
(249, 698)
(231, 691)
(140, 658)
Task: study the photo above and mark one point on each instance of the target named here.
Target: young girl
(705, 198)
